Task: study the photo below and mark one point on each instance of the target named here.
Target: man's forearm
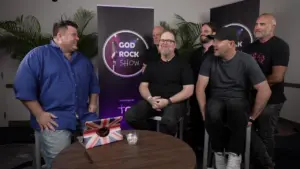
(201, 97)
(261, 100)
(184, 94)
(145, 93)
(93, 99)
(272, 79)
(34, 107)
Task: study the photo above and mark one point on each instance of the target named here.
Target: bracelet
(149, 97)
(251, 120)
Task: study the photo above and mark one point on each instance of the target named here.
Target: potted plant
(19, 36)
(187, 35)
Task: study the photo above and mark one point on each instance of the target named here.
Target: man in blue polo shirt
(57, 84)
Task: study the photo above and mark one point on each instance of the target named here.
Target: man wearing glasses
(165, 87)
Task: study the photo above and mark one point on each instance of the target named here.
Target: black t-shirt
(232, 78)
(167, 78)
(151, 55)
(197, 59)
(274, 52)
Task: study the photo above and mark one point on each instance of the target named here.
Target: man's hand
(162, 103)
(154, 102)
(92, 108)
(46, 122)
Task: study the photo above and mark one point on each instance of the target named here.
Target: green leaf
(19, 36)
(187, 35)
(82, 18)
(88, 45)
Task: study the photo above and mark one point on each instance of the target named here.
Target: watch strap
(169, 101)
(251, 120)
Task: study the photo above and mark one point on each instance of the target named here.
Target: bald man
(152, 53)
(272, 55)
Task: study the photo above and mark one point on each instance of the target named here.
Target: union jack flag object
(103, 131)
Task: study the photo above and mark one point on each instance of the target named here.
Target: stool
(247, 149)
(158, 119)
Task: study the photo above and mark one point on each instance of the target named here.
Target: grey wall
(193, 10)
(48, 12)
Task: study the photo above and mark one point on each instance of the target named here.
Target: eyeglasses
(166, 41)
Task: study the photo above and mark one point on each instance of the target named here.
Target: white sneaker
(234, 161)
(220, 160)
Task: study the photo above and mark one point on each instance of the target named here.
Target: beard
(262, 34)
(204, 40)
(165, 52)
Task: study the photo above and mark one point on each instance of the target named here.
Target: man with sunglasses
(230, 74)
(165, 87)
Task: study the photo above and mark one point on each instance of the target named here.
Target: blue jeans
(52, 143)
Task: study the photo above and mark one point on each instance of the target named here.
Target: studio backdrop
(241, 16)
(123, 34)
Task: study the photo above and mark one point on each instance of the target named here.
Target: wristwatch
(251, 119)
(169, 101)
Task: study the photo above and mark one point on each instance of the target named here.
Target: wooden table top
(154, 150)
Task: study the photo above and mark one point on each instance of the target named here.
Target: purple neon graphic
(119, 110)
(122, 53)
(239, 32)
(244, 34)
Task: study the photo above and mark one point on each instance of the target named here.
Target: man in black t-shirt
(272, 55)
(165, 87)
(230, 74)
(196, 60)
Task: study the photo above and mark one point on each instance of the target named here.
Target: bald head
(265, 26)
(268, 17)
(156, 33)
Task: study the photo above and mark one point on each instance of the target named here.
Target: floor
(287, 151)
(19, 154)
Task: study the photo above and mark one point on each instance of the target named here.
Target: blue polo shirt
(62, 87)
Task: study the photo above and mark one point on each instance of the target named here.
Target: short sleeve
(27, 75)
(206, 66)
(254, 72)
(280, 55)
(187, 75)
(147, 73)
(94, 82)
(145, 56)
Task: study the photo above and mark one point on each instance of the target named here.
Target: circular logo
(244, 34)
(122, 53)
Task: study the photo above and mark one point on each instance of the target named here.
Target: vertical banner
(241, 16)
(123, 34)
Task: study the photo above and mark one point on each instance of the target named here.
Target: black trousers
(196, 123)
(262, 142)
(226, 122)
(138, 116)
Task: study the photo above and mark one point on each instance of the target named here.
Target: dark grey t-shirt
(232, 78)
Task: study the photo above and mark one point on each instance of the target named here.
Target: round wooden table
(154, 150)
